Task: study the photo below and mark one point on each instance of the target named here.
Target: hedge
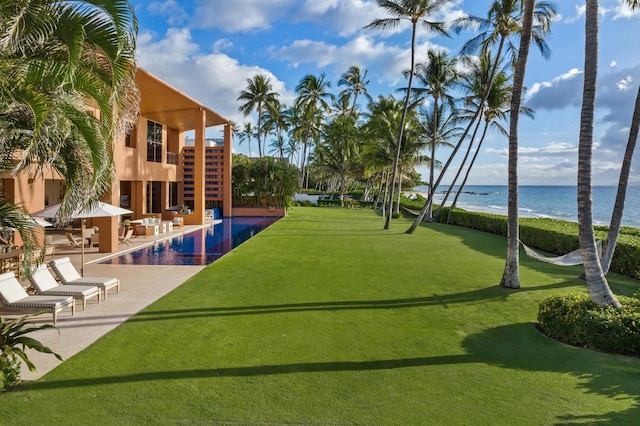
(554, 236)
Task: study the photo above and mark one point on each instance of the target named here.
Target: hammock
(570, 259)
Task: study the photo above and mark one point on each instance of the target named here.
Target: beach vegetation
(417, 12)
(263, 181)
(576, 320)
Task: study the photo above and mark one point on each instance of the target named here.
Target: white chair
(126, 237)
(44, 283)
(15, 298)
(68, 275)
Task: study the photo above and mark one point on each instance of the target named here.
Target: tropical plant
(260, 97)
(312, 102)
(13, 342)
(60, 59)
(356, 84)
(414, 11)
(437, 77)
(597, 284)
(503, 21)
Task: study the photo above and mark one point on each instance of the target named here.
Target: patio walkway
(140, 285)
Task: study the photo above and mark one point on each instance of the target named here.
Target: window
(173, 193)
(154, 142)
(154, 197)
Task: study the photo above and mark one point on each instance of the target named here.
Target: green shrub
(574, 319)
(13, 342)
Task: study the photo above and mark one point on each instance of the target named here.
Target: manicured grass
(326, 318)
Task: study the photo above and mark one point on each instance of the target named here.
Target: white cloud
(170, 9)
(239, 15)
(215, 79)
(221, 45)
(624, 11)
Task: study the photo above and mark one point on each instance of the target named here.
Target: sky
(209, 48)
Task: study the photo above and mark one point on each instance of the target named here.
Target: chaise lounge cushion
(44, 283)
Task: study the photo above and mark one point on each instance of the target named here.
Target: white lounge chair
(68, 275)
(15, 298)
(44, 283)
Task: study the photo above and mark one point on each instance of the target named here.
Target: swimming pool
(199, 247)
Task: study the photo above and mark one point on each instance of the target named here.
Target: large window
(154, 142)
(154, 197)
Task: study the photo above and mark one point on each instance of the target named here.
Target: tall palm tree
(597, 284)
(313, 100)
(437, 76)
(260, 97)
(416, 12)
(618, 208)
(496, 110)
(56, 58)
(502, 22)
(246, 134)
(511, 274)
(356, 84)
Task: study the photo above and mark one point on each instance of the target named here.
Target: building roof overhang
(167, 105)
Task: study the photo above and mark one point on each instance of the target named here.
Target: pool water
(199, 247)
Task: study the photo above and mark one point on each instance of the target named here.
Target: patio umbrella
(101, 209)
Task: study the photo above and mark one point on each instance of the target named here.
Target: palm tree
(246, 134)
(496, 110)
(511, 275)
(502, 22)
(414, 11)
(313, 101)
(356, 82)
(437, 77)
(597, 284)
(259, 97)
(618, 208)
(56, 58)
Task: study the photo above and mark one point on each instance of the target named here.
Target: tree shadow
(493, 292)
(514, 346)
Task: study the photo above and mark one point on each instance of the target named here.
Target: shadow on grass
(489, 293)
(514, 346)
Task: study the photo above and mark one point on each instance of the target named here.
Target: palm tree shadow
(514, 346)
(493, 292)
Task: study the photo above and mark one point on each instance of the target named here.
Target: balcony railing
(172, 158)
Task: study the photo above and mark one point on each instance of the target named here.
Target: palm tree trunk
(436, 216)
(259, 128)
(466, 176)
(596, 281)
(511, 275)
(618, 208)
(407, 99)
(434, 142)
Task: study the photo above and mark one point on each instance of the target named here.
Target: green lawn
(326, 318)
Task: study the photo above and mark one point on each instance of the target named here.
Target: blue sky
(209, 48)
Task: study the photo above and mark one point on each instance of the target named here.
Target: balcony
(173, 158)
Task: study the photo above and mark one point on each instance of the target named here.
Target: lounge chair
(15, 298)
(44, 283)
(68, 275)
(125, 239)
(73, 241)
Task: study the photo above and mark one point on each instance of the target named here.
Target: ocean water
(558, 202)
